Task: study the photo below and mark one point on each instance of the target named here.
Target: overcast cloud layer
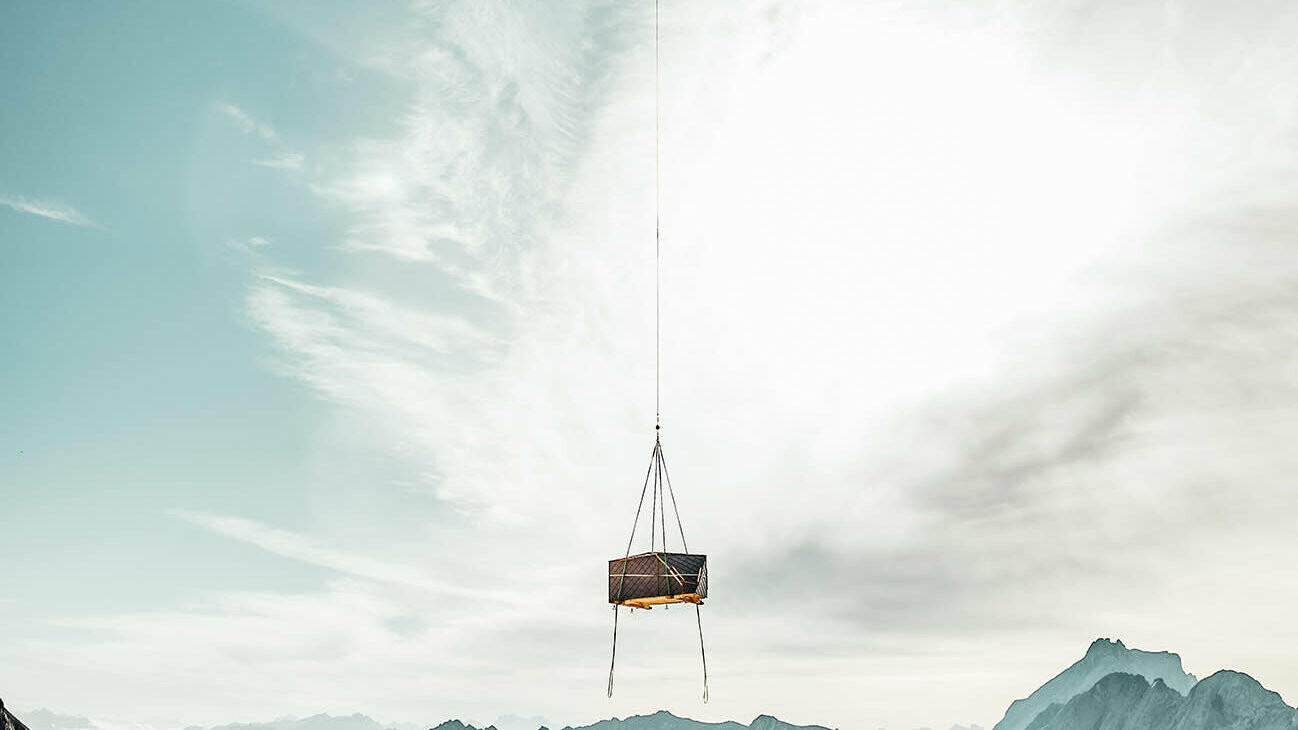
(976, 346)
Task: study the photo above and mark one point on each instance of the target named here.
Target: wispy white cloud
(487, 146)
(244, 251)
(53, 210)
(302, 548)
(310, 318)
(248, 246)
(283, 161)
(364, 628)
(247, 123)
(378, 625)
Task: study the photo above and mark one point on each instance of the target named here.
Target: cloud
(967, 354)
(924, 390)
(380, 637)
(487, 145)
(247, 123)
(283, 161)
(49, 209)
(251, 246)
(301, 548)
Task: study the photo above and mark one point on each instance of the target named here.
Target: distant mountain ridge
(355, 721)
(1110, 688)
(1103, 657)
(663, 720)
(1225, 701)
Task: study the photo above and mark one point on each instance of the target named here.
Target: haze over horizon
(330, 359)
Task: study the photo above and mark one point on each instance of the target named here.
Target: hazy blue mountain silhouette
(663, 720)
(1110, 688)
(1225, 701)
(315, 722)
(1104, 657)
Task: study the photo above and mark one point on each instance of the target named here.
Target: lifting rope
(698, 615)
(667, 478)
(613, 661)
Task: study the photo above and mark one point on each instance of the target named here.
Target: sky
(328, 353)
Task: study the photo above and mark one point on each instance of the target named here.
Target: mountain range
(1104, 657)
(663, 720)
(1227, 700)
(1111, 687)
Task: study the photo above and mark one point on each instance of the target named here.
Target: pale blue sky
(133, 387)
(321, 318)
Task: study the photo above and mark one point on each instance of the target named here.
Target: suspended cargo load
(657, 577)
(652, 579)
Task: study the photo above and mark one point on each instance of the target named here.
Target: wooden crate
(650, 579)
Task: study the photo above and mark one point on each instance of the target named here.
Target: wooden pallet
(651, 601)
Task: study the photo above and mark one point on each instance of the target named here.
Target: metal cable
(653, 500)
(658, 309)
(658, 480)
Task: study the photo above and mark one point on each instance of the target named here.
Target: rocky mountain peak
(1105, 646)
(1231, 699)
(1104, 657)
(454, 725)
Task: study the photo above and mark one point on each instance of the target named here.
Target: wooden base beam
(651, 601)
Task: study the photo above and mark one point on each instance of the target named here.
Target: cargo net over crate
(650, 579)
(658, 577)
